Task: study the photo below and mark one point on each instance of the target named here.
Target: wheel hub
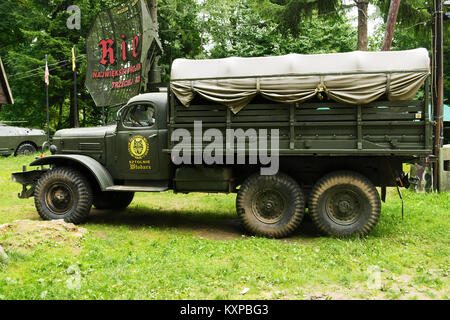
(59, 198)
(343, 207)
(269, 206)
(60, 195)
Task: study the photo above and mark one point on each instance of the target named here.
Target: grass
(167, 246)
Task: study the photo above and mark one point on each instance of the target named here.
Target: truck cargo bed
(380, 128)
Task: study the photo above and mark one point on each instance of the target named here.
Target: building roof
(5, 92)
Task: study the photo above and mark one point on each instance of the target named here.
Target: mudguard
(100, 173)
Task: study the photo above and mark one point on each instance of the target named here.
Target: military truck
(20, 141)
(337, 127)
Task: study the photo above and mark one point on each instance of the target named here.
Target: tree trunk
(390, 25)
(153, 7)
(362, 24)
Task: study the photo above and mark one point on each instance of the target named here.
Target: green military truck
(284, 133)
(20, 141)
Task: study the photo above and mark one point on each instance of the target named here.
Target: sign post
(46, 78)
(75, 106)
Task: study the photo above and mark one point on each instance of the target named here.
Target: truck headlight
(53, 149)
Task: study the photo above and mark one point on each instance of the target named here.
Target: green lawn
(167, 246)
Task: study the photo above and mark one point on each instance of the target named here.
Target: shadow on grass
(208, 225)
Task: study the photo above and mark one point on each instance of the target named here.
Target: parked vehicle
(345, 123)
(20, 141)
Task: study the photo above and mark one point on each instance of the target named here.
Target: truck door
(137, 143)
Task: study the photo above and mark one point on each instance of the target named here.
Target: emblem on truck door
(138, 147)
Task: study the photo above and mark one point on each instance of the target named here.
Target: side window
(139, 115)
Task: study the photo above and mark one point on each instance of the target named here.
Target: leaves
(30, 29)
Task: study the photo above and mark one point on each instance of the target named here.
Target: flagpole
(46, 95)
(75, 107)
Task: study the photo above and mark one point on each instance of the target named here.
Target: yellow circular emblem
(138, 147)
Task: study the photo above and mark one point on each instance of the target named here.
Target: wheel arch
(93, 170)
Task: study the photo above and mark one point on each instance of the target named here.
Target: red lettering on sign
(124, 48)
(135, 46)
(107, 51)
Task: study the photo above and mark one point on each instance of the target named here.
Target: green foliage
(235, 29)
(179, 31)
(30, 29)
(290, 14)
(39, 28)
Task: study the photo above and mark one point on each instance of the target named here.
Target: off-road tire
(270, 206)
(112, 200)
(344, 203)
(25, 149)
(58, 186)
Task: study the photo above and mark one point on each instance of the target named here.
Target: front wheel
(270, 206)
(344, 203)
(63, 193)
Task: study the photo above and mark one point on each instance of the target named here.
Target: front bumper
(27, 179)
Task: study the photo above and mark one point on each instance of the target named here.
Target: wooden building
(5, 92)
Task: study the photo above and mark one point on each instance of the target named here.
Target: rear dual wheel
(344, 203)
(270, 206)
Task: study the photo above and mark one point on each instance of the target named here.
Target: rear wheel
(344, 203)
(270, 206)
(112, 200)
(63, 193)
(25, 149)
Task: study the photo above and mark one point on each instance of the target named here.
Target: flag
(47, 82)
(73, 59)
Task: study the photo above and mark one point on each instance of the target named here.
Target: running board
(137, 189)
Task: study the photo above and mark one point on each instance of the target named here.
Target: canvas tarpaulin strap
(353, 77)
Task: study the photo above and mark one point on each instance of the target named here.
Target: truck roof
(157, 97)
(355, 62)
(352, 77)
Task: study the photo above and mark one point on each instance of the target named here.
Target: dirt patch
(399, 289)
(25, 234)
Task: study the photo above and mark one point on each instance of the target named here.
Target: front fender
(101, 174)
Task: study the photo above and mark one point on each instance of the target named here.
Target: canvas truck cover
(354, 77)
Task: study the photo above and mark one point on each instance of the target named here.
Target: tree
(390, 25)
(362, 6)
